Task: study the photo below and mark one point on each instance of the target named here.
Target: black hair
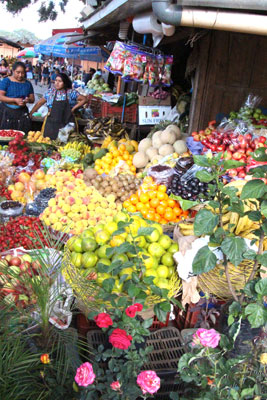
(5, 62)
(92, 70)
(66, 80)
(18, 64)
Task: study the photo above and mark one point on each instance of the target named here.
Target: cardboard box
(151, 115)
(150, 101)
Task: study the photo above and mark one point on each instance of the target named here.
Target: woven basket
(86, 291)
(214, 282)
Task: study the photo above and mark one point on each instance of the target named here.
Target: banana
(233, 220)
(242, 224)
(226, 217)
(186, 226)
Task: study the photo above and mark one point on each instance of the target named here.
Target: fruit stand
(131, 237)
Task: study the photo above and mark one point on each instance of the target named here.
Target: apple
(36, 265)
(232, 172)
(24, 266)
(8, 257)
(248, 137)
(15, 261)
(26, 257)
(241, 174)
(237, 156)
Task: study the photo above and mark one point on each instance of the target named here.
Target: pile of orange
(154, 203)
(105, 164)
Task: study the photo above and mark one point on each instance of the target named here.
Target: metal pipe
(260, 5)
(172, 14)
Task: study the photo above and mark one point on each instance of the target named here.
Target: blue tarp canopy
(56, 46)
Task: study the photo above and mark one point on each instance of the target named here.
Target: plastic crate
(95, 104)
(158, 324)
(130, 113)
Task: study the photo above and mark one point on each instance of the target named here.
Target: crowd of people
(16, 91)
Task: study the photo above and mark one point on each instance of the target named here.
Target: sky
(28, 19)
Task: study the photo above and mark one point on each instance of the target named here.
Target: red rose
(120, 339)
(132, 310)
(103, 320)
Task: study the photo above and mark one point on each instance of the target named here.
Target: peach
(70, 200)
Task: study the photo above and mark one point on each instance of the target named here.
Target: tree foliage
(48, 9)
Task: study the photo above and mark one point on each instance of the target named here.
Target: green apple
(149, 261)
(163, 283)
(121, 257)
(98, 227)
(105, 261)
(88, 233)
(111, 227)
(158, 227)
(102, 237)
(27, 257)
(140, 241)
(77, 245)
(102, 276)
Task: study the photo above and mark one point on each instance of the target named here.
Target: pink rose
(148, 381)
(103, 320)
(132, 310)
(115, 386)
(120, 339)
(85, 375)
(206, 337)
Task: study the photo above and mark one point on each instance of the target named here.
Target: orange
(162, 188)
(127, 203)
(168, 209)
(148, 179)
(144, 213)
(134, 199)
(157, 217)
(125, 157)
(171, 203)
(164, 203)
(132, 168)
(160, 195)
(152, 194)
(150, 215)
(163, 221)
(129, 162)
(160, 210)
(177, 210)
(154, 202)
(116, 153)
(131, 209)
(139, 206)
(169, 215)
(144, 198)
(122, 148)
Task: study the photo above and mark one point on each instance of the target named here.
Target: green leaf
(147, 323)
(185, 204)
(204, 261)
(133, 291)
(261, 287)
(108, 284)
(264, 226)
(160, 314)
(259, 154)
(230, 191)
(202, 161)
(145, 231)
(235, 308)
(253, 189)
(254, 215)
(248, 392)
(233, 248)
(205, 222)
(165, 306)
(229, 164)
(234, 394)
(264, 208)
(256, 315)
(250, 254)
(204, 176)
(262, 258)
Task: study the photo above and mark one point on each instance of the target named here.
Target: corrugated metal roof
(10, 43)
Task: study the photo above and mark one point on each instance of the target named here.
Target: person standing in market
(15, 93)
(4, 69)
(45, 74)
(62, 102)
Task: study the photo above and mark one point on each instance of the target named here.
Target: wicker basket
(86, 290)
(214, 282)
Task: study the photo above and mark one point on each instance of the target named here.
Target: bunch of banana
(79, 146)
(187, 228)
(103, 127)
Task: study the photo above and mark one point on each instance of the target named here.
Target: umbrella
(28, 52)
(57, 46)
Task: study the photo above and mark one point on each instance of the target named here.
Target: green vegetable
(100, 154)
(88, 160)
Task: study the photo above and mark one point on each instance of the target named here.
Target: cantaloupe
(151, 152)
(168, 137)
(145, 144)
(166, 149)
(180, 146)
(140, 159)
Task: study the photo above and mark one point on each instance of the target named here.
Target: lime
(158, 227)
(121, 257)
(89, 244)
(77, 245)
(121, 216)
(165, 241)
(162, 271)
(88, 233)
(102, 237)
(98, 227)
(167, 259)
(127, 271)
(140, 241)
(111, 227)
(102, 277)
(76, 259)
(149, 261)
(153, 237)
(156, 250)
(163, 284)
(173, 248)
(101, 252)
(89, 259)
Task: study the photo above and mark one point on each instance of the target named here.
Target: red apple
(228, 155)
(24, 266)
(36, 265)
(15, 261)
(237, 156)
(241, 174)
(232, 172)
(248, 136)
